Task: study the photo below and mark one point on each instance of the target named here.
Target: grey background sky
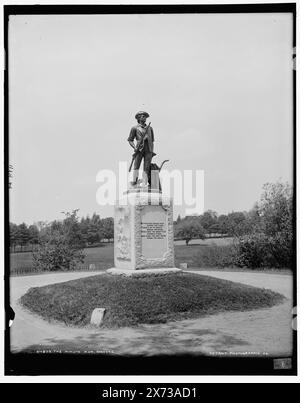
(218, 88)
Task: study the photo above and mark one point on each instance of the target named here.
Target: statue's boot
(135, 177)
(145, 180)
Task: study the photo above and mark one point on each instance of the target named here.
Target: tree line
(93, 230)
(90, 231)
(210, 224)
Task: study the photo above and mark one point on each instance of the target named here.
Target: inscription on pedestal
(154, 232)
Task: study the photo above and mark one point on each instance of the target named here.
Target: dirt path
(259, 332)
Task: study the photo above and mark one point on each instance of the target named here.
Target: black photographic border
(102, 364)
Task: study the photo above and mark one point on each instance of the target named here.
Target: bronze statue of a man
(143, 148)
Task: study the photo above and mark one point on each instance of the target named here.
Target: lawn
(131, 301)
(102, 257)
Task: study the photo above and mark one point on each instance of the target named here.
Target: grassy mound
(129, 301)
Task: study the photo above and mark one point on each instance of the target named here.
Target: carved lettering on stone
(154, 232)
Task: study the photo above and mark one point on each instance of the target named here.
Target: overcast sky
(218, 88)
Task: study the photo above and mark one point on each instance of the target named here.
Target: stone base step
(163, 271)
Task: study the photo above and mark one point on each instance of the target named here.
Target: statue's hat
(141, 113)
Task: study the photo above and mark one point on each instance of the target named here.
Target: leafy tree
(84, 228)
(72, 230)
(41, 225)
(93, 229)
(223, 224)
(208, 219)
(276, 208)
(214, 229)
(22, 235)
(236, 223)
(270, 244)
(60, 245)
(33, 234)
(13, 235)
(107, 227)
(189, 229)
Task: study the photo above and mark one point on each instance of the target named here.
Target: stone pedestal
(143, 233)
